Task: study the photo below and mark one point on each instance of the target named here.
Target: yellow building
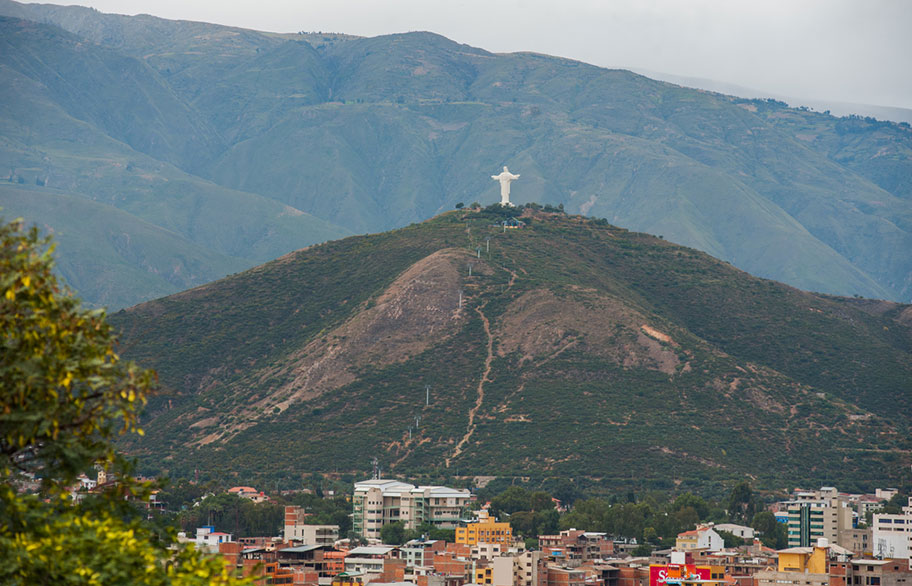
(806, 560)
(485, 530)
(484, 575)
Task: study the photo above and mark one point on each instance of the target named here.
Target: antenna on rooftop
(376, 466)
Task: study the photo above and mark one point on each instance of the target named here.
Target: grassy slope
(773, 388)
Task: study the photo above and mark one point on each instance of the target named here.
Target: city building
(526, 568)
(378, 502)
(858, 541)
(703, 537)
(832, 565)
(248, 492)
(661, 574)
(439, 506)
(297, 529)
(811, 518)
(486, 551)
(368, 561)
(208, 539)
(892, 535)
(573, 547)
(420, 552)
(881, 573)
(485, 529)
(676, 574)
(806, 566)
(742, 531)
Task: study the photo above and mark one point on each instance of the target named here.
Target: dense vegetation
(229, 147)
(638, 363)
(65, 396)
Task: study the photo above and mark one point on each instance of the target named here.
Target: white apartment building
(703, 537)
(893, 534)
(208, 539)
(741, 531)
(378, 502)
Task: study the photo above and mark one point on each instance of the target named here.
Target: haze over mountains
(196, 150)
(835, 107)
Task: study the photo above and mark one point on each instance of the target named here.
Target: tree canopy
(64, 395)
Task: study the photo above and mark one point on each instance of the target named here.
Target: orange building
(334, 562)
(485, 530)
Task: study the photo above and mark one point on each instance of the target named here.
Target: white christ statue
(505, 178)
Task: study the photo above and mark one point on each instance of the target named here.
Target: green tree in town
(895, 504)
(700, 506)
(515, 498)
(741, 505)
(541, 501)
(64, 395)
(642, 550)
(729, 539)
(393, 533)
(587, 514)
(772, 533)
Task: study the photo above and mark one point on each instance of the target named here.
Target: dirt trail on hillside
(489, 358)
(470, 429)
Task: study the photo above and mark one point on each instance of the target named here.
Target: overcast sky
(842, 50)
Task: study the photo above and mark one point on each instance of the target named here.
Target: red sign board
(658, 574)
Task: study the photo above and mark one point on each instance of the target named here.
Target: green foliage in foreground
(65, 394)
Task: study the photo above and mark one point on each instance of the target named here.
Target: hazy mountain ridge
(371, 134)
(115, 246)
(580, 350)
(59, 146)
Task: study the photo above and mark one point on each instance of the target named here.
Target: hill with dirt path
(566, 348)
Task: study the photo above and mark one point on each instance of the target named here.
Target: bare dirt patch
(419, 309)
(540, 325)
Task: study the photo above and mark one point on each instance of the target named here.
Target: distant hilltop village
(827, 544)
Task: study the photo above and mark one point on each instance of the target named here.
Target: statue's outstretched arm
(495, 177)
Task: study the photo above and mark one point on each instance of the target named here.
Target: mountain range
(165, 154)
(565, 348)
